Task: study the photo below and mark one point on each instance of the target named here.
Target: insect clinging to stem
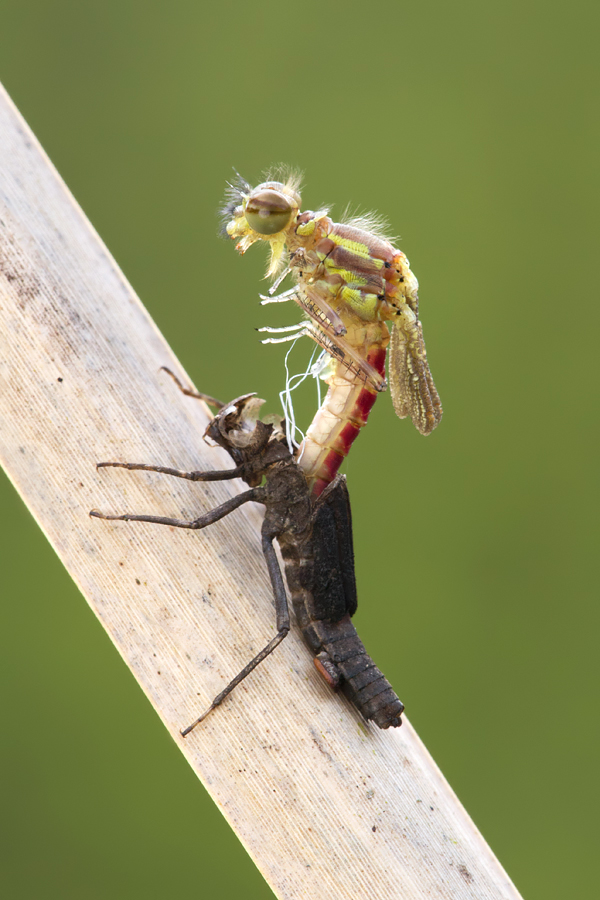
(352, 284)
(315, 538)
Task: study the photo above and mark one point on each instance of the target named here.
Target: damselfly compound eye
(268, 212)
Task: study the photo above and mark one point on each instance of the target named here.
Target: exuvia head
(237, 423)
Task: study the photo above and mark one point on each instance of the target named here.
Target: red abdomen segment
(338, 422)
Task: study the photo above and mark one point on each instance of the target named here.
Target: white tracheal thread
(291, 383)
(316, 371)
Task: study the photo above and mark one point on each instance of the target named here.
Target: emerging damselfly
(350, 281)
(315, 538)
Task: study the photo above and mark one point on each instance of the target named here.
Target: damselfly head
(263, 213)
(269, 208)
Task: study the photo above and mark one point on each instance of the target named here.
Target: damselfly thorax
(352, 284)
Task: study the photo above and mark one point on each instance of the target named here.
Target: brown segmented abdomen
(360, 680)
(320, 576)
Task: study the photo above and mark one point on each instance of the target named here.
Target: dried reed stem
(327, 807)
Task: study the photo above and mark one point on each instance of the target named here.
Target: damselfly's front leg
(283, 626)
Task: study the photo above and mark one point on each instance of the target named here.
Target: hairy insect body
(367, 283)
(350, 282)
(352, 269)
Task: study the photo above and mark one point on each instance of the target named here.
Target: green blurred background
(473, 128)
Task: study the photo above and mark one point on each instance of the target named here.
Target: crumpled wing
(413, 392)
